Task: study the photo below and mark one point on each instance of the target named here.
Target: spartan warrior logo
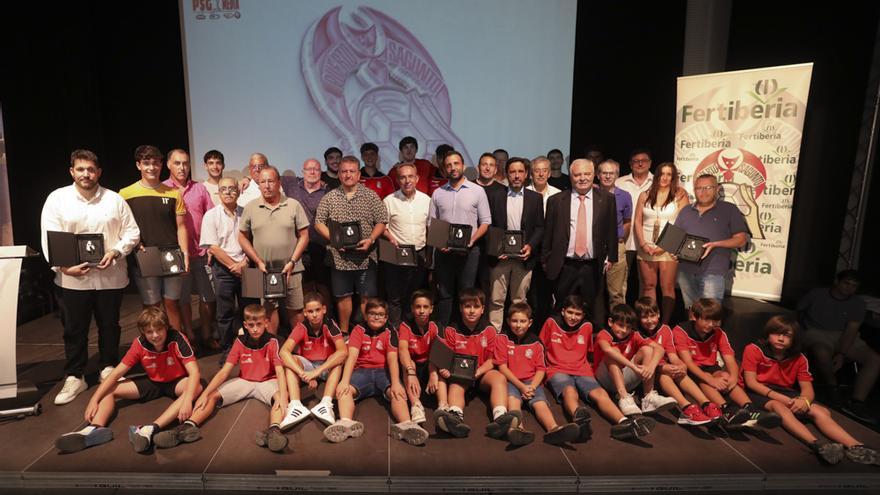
(90, 247)
(373, 81)
(273, 280)
(742, 178)
(349, 231)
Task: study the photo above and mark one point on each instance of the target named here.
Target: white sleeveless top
(654, 219)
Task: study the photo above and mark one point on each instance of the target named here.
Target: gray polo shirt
(720, 222)
(275, 231)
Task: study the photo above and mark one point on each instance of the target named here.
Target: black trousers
(581, 277)
(400, 282)
(78, 307)
(540, 296)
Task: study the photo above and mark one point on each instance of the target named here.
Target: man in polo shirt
(274, 233)
(86, 207)
(214, 165)
(309, 191)
(615, 278)
(635, 183)
(371, 176)
(723, 224)
(332, 157)
(407, 224)
(354, 269)
(197, 200)
(459, 201)
(557, 178)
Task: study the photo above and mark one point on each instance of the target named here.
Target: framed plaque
(274, 285)
(402, 255)
(686, 247)
(345, 235)
(67, 249)
(160, 261)
(504, 242)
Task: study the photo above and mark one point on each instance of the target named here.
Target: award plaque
(274, 286)
(171, 260)
(345, 235)
(67, 249)
(459, 237)
(90, 248)
(402, 255)
(692, 249)
(686, 247)
(157, 261)
(500, 242)
(462, 367)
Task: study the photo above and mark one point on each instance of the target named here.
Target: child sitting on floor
(416, 336)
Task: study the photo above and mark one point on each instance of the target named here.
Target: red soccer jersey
(786, 373)
(419, 343)
(315, 345)
(256, 360)
(161, 366)
(381, 185)
(524, 358)
(479, 342)
(662, 336)
(566, 347)
(628, 346)
(704, 349)
(373, 346)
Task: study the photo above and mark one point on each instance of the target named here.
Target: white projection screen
(291, 78)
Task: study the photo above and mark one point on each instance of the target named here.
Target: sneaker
(343, 429)
(73, 386)
(182, 433)
(499, 427)
(409, 432)
(637, 426)
(830, 452)
(83, 439)
(862, 454)
(276, 441)
(858, 410)
(562, 434)
(324, 413)
(734, 418)
(627, 405)
(582, 419)
(764, 419)
(295, 414)
(105, 373)
(517, 435)
(452, 422)
(713, 411)
(653, 402)
(139, 438)
(417, 413)
(693, 416)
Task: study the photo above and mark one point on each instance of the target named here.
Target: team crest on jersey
(510, 350)
(529, 354)
(379, 345)
(483, 341)
(628, 349)
(169, 361)
(581, 340)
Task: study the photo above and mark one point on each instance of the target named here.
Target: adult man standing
(407, 223)
(540, 175)
(540, 291)
(274, 233)
(354, 269)
(332, 156)
(249, 186)
(515, 208)
(616, 276)
(161, 216)
(371, 176)
(214, 165)
(720, 222)
(635, 183)
(486, 174)
(197, 200)
(80, 208)
(580, 237)
(426, 170)
(501, 157)
(557, 178)
(309, 191)
(459, 201)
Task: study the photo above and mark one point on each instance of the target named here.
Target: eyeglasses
(228, 189)
(642, 160)
(377, 316)
(704, 188)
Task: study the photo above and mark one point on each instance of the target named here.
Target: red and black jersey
(524, 357)
(418, 340)
(315, 344)
(373, 346)
(628, 346)
(704, 349)
(786, 373)
(479, 342)
(256, 359)
(566, 347)
(161, 366)
(663, 336)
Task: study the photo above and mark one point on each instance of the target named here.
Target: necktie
(580, 230)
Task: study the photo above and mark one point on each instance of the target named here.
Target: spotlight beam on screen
(292, 78)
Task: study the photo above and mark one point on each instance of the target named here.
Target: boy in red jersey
(416, 336)
(777, 378)
(519, 356)
(320, 354)
(623, 359)
(698, 343)
(372, 369)
(673, 377)
(474, 336)
(172, 371)
(261, 377)
(567, 338)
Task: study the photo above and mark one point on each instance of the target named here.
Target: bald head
(582, 172)
(311, 172)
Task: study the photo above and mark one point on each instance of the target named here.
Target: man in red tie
(580, 236)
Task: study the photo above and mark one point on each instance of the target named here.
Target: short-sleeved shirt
(478, 342)
(214, 191)
(524, 357)
(566, 347)
(256, 359)
(822, 311)
(786, 373)
(316, 344)
(162, 366)
(467, 205)
(275, 229)
(703, 349)
(365, 208)
(309, 201)
(718, 223)
(628, 346)
(624, 210)
(380, 183)
(663, 336)
(418, 340)
(220, 228)
(373, 345)
(155, 210)
(197, 200)
(408, 217)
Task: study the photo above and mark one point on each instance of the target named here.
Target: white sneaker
(295, 414)
(417, 413)
(106, 372)
(73, 386)
(324, 413)
(409, 432)
(654, 402)
(343, 429)
(627, 405)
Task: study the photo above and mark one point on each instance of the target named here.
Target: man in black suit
(514, 208)
(580, 236)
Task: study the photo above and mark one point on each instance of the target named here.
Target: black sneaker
(183, 433)
(582, 419)
(562, 434)
(829, 452)
(734, 418)
(636, 426)
(859, 410)
(453, 423)
(519, 436)
(275, 440)
(499, 427)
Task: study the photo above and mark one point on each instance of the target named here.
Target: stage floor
(672, 458)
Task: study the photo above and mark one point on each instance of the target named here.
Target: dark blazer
(531, 222)
(557, 225)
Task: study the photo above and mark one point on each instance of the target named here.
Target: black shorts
(759, 401)
(149, 390)
(711, 368)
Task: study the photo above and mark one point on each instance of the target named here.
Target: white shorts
(238, 389)
(630, 379)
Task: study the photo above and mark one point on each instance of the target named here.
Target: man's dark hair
(369, 146)
(453, 152)
(408, 140)
(514, 159)
(501, 150)
(215, 155)
(484, 155)
(332, 149)
(147, 151)
(555, 150)
(85, 155)
(639, 151)
(625, 315)
(441, 151)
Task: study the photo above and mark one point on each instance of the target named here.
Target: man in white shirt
(635, 183)
(215, 163)
(407, 225)
(86, 207)
(540, 291)
(249, 187)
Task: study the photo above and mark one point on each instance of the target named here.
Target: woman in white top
(655, 208)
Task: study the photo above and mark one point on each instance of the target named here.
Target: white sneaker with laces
(654, 402)
(73, 386)
(324, 413)
(417, 413)
(627, 405)
(295, 414)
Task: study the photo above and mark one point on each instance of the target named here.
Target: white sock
(327, 400)
(88, 429)
(146, 431)
(622, 420)
(295, 403)
(456, 410)
(345, 419)
(498, 411)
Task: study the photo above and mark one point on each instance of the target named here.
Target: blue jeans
(583, 384)
(696, 285)
(227, 288)
(452, 273)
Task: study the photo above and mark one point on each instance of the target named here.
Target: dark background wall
(110, 78)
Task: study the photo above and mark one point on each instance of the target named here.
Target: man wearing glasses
(615, 278)
(635, 183)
